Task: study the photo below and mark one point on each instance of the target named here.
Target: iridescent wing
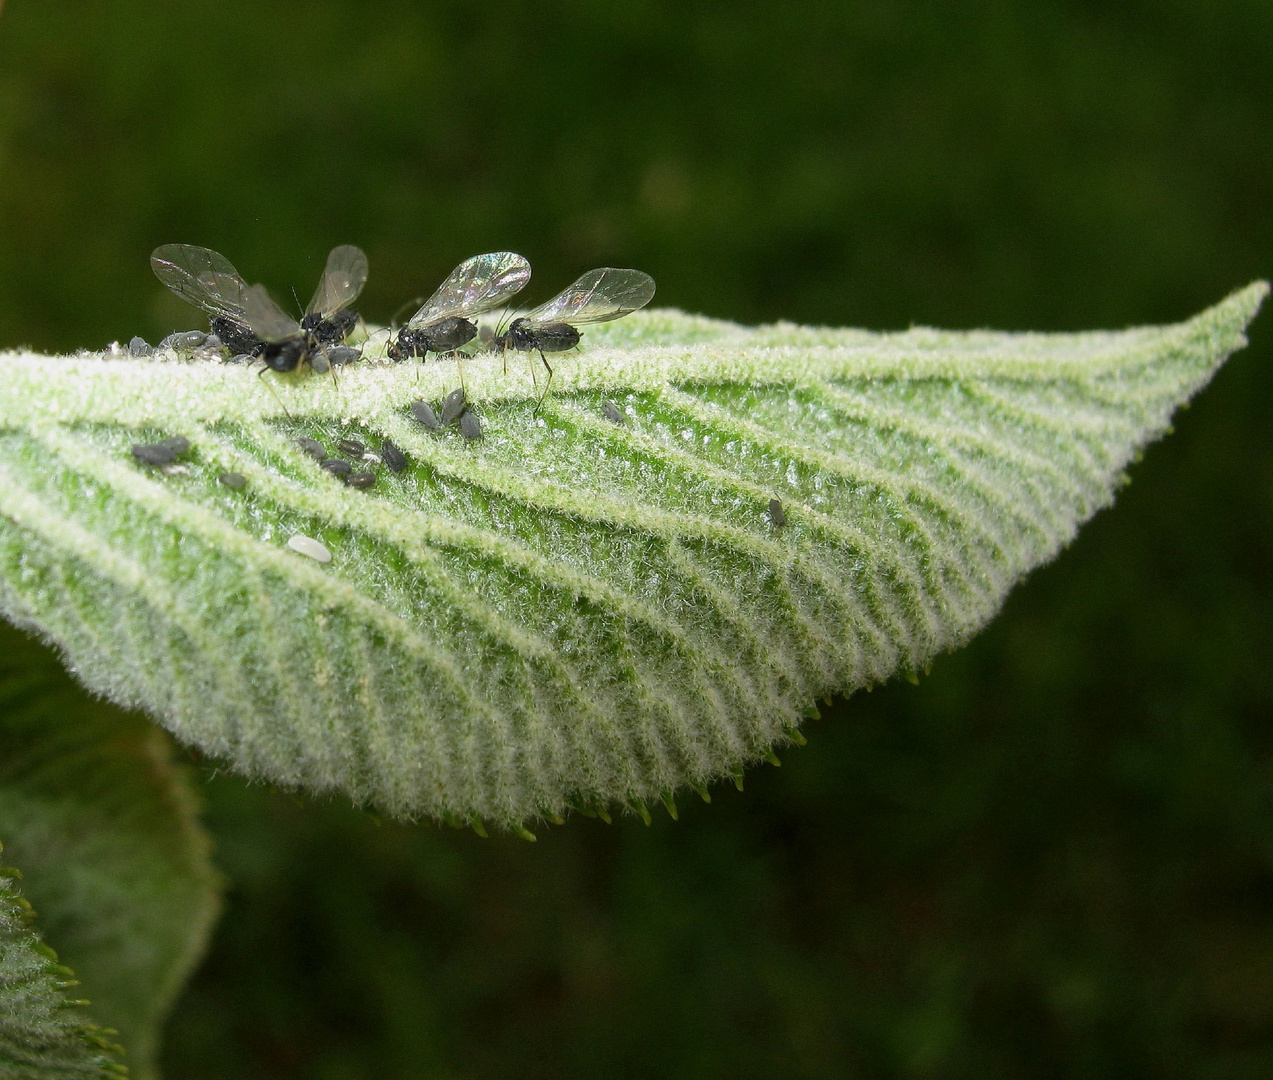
(598, 296)
(201, 277)
(268, 321)
(476, 285)
(341, 282)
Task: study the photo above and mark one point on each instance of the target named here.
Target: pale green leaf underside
(43, 1035)
(570, 611)
(103, 824)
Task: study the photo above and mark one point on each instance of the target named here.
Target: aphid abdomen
(555, 337)
(235, 336)
(447, 334)
(335, 327)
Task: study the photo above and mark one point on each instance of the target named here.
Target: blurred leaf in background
(103, 826)
(1052, 858)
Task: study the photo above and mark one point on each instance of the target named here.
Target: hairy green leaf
(43, 1033)
(103, 825)
(570, 610)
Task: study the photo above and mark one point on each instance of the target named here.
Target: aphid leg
(271, 389)
(460, 368)
(547, 383)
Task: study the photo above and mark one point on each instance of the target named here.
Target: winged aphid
(245, 320)
(600, 295)
(209, 281)
(289, 343)
(444, 324)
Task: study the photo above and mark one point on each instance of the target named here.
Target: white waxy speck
(308, 546)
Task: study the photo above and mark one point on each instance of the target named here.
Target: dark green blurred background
(1054, 858)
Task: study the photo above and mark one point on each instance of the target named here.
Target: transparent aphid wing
(201, 277)
(341, 282)
(598, 296)
(268, 321)
(476, 285)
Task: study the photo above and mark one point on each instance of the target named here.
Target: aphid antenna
(271, 389)
(370, 342)
(413, 303)
(501, 328)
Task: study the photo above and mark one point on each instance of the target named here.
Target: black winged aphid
(600, 295)
(327, 318)
(245, 318)
(210, 282)
(444, 323)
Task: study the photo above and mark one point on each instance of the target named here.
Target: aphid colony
(248, 324)
(353, 468)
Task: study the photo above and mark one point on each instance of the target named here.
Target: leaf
(103, 824)
(568, 611)
(43, 1034)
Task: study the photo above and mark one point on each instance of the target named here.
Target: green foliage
(43, 1035)
(1052, 857)
(570, 611)
(102, 823)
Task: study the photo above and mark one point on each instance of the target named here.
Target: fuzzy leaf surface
(569, 610)
(44, 1034)
(103, 824)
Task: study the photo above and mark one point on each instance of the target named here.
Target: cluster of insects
(353, 459)
(352, 462)
(455, 410)
(247, 323)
